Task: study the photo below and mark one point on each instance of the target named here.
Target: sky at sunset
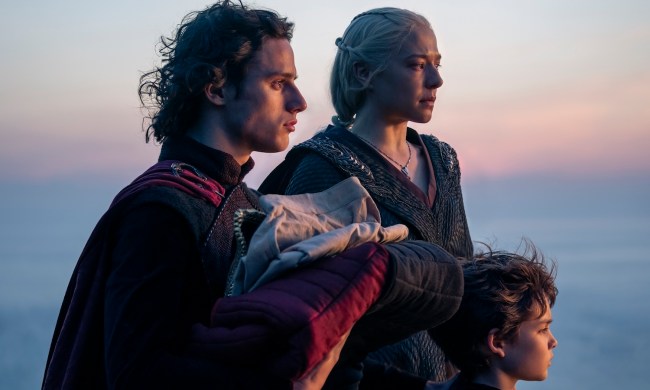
(531, 87)
(547, 103)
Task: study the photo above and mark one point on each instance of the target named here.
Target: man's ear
(215, 94)
(361, 72)
(495, 343)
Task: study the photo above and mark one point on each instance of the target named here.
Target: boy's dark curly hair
(209, 46)
(501, 291)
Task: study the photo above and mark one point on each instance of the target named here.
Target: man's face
(262, 113)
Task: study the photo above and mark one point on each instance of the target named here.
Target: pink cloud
(588, 129)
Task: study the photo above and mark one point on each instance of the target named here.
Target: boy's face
(528, 356)
(263, 113)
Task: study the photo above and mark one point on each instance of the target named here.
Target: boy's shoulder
(458, 383)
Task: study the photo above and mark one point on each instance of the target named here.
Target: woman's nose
(434, 80)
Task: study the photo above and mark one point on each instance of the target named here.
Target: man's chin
(275, 148)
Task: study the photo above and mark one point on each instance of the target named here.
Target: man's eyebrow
(285, 75)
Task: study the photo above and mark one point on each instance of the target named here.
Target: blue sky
(531, 87)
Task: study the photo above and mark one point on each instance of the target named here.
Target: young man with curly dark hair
(158, 258)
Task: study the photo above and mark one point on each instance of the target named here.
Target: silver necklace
(403, 168)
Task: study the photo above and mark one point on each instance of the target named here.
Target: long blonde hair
(372, 38)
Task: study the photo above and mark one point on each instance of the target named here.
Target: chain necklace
(403, 168)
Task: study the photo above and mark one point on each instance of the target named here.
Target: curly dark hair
(209, 46)
(501, 291)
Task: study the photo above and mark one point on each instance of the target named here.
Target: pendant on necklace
(405, 171)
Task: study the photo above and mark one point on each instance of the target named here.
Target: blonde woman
(386, 73)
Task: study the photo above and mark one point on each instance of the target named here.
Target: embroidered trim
(343, 156)
(447, 153)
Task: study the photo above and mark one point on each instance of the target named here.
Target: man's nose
(296, 102)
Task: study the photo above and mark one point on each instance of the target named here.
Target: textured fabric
(299, 229)
(79, 322)
(459, 382)
(335, 154)
(424, 287)
(218, 249)
(288, 325)
(140, 284)
(178, 175)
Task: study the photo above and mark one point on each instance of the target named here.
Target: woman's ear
(495, 343)
(215, 94)
(361, 72)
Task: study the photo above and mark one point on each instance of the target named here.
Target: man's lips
(291, 125)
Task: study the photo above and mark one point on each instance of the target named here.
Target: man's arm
(155, 292)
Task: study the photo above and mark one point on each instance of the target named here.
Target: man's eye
(418, 66)
(277, 84)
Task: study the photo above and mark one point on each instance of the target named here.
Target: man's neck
(211, 135)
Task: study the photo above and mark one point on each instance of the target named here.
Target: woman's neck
(389, 136)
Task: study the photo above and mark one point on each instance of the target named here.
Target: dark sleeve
(379, 376)
(459, 241)
(451, 209)
(154, 293)
(424, 287)
(313, 174)
(423, 290)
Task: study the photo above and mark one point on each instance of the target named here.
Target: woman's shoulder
(330, 145)
(332, 138)
(430, 139)
(314, 165)
(440, 151)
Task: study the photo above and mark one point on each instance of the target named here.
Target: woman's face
(406, 89)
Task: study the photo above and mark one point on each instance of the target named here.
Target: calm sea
(597, 230)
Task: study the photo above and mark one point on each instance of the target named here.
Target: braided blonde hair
(372, 38)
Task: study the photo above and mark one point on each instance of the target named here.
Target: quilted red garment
(288, 325)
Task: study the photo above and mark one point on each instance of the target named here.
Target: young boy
(501, 332)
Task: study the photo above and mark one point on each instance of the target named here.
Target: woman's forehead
(421, 41)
